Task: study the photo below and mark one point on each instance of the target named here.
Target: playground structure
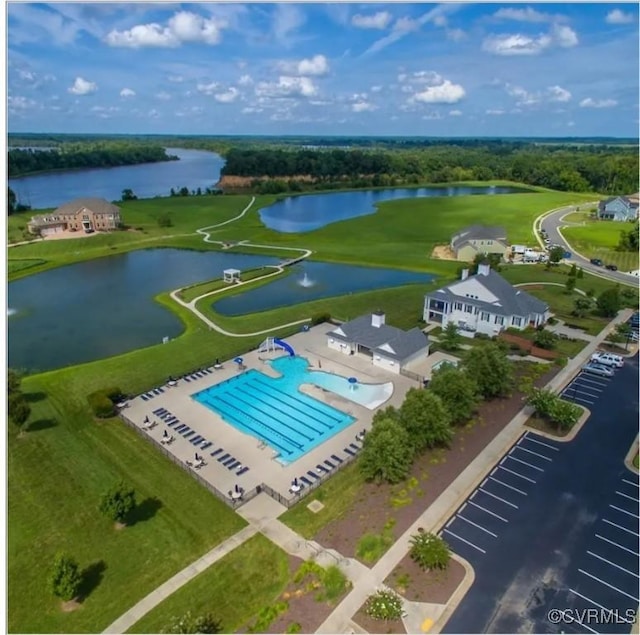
(231, 276)
(272, 344)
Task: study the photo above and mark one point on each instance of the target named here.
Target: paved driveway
(555, 526)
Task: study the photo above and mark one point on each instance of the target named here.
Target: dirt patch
(443, 252)
(417, 585)
(70, 606)
(431, 474)
(538, 423)
(118, 526)
(377, 626)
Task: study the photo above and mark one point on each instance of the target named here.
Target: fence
(411, 375)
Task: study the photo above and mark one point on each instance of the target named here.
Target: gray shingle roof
(478, 232)
(97, 205)
(403, 344)
(511, 301)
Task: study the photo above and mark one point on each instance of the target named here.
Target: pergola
(231, 275)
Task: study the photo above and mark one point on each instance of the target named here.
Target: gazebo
(231, 275)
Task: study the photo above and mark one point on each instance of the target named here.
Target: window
(468, 308)
(484, 317)
(458, 306)
(517, 321)
(499, 320)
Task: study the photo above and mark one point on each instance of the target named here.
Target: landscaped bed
(398, 506)
(371, 625)
(543, 425)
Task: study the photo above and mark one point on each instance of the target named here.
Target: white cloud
(183, 27)
(153, 113)
(432, 115)
(518, 44)
(127, 92)
(20, 103)
(363, 106)
(82, 87)
(456, 35)
(376, 89)
(207, 89)
(287, 86)
(598, 103)
(557, 93)
(287, 18)
(228, 96)
(176, 79)
(314, 66)
(523, 15)
(444, 93)
(523, 97)
(162, 95)
(245, 80)
(250, 109)
(495, 111)
(378, 20)
(618, 17)
(455, 113)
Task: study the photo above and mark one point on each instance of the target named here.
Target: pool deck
(263, 468)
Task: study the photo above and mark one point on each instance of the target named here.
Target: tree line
(70, 156)
(602, 169)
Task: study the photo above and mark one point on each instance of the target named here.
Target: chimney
(464, 275)
(483, 270)
(377, 319)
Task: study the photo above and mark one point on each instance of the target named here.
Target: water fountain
(306, 282)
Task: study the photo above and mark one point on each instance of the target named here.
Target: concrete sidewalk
(434, 517)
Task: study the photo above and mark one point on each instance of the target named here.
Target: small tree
(425, 418)
(450, 338)
(65, 577)
(491, 370)
(541, 400)
(556, 254)
(582, 306)
(13, 381)
(458, 392)
(19, 409)
(570, 284)
(189, 623)
(118, 501)
(580, 274)
(429, 551)
(564, 414)
(128, 195)
(164, 220)
(546, 339)
(387, 452)
(573, 272)
(608, 302)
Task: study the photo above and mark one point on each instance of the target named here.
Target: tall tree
(458, 392)
(387, 452)
(450, 338)
(11, 202)
(609, 302)
(491, 370)
(426, 419)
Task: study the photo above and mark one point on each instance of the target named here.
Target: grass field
(15, 265)
(598, 239)
(233, 589)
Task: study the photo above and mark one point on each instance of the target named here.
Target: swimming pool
(275, 411)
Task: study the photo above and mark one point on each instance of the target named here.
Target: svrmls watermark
(591, 616)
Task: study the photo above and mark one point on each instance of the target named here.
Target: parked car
(611, 267)
(597, 369)
(635, 320)
(608, 359)
(596, 261)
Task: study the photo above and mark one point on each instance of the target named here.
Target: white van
(608, 359)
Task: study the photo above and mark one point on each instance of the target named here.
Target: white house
(619, 208)
(388, 347)
(484, 303)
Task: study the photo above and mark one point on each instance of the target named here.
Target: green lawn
(234, 589)
(598, 239)
(17, 264)
(636, 461)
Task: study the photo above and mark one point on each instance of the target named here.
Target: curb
(458, 594)
(631, 454)
(573, 433)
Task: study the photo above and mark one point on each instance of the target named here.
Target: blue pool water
(274, 410)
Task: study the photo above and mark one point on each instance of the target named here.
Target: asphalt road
(555, 525)
(551, 224)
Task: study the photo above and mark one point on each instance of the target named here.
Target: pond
(298, 214)
(314, 281)
(196, 168)
(105, 307)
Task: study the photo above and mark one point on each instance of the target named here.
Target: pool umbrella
(352, 381)
(238, 360)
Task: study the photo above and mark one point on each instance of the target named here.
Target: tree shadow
(33, 397)
(146, 510)
(41, 424)
(91, 579)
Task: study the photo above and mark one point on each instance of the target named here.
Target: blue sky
(346, 69)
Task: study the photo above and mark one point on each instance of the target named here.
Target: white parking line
(542, 456)
(631, 498)
(624, 511)
(585, 390)
(515, 489)
(551, 447)
(588, 385)
(488, 511)
(573, 391)
(476, 525)
(613, 564)
(574, 398)
(590, 380)
(572, 619)
(604, 608)
(615, 544)
(526, 478)
(631, 482)
(498, 498)
(525, 463)
(609, 585)
(463, 540)
(595, 379)
(633, 533)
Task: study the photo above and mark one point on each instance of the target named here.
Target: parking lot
(554, 525)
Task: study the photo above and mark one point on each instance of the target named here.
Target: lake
(314, 281)
(196, 168)
(298, 214)
(104, 307)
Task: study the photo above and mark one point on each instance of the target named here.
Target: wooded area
(101, 154)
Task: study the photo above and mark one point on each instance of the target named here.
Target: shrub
(482, 336)
(118, 501)
(101, 406)
(429, 551)
(561, 362)
(545, 339)
(188, 623)
(294, 627)
(114, 393)
(65, 577)
(552, 321)
(371, 547)
(335, 583)
(384, 605)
